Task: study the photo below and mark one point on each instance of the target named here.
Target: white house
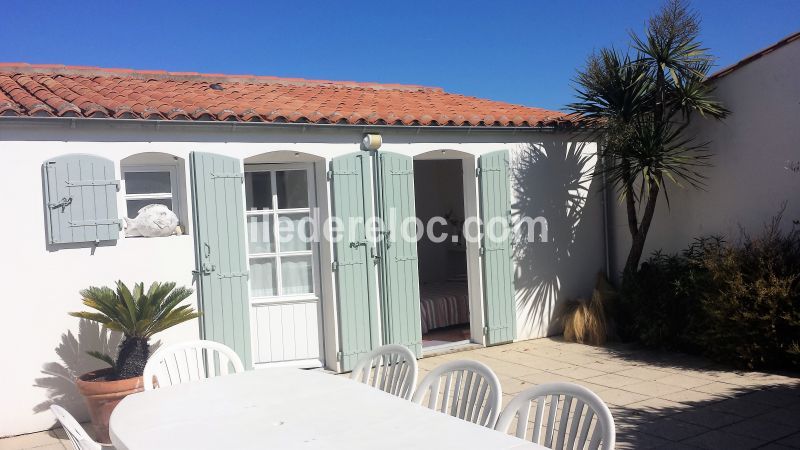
(753, 150)
(240, 159)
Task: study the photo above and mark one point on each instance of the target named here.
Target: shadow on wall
(552, 180)
(59, 379)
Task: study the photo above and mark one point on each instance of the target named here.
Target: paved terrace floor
(659, 400)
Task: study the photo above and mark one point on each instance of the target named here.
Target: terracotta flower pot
(102, 397)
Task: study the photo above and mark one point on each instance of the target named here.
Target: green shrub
(752, 306)
(738, 304)
(658, 306)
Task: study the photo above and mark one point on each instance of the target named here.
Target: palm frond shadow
(552, 180)
(59, 376)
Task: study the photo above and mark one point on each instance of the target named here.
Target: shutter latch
(356, 244)
(373, 254)
(66, 201)
(206, 267)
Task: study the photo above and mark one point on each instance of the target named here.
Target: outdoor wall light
(371, 141)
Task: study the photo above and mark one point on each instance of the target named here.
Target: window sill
(157, 239)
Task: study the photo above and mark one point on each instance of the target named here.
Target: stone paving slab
(658, 399)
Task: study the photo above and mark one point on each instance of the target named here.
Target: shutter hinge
(339, 356)
(481, 251)
(477, 171)
(83, 223)
(234, 275)
(92, 183)
(334, 266)
(240, 176)
(485, 331)
(329, 175)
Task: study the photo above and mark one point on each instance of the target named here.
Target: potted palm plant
(138, 315)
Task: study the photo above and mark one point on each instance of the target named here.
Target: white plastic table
(290, 409)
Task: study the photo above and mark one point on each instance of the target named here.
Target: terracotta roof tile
(70, 91)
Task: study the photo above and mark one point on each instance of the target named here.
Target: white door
(284, 293)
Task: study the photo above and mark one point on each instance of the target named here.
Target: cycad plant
(642, 102)
(138, 315)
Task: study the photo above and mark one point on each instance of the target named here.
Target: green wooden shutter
(353, 264)
(81, 199)
(220, 257)
(498, 289)
(398, 256)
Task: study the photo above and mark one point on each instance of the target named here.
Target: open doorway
(444, 288)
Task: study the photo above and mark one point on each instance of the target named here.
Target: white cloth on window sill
(152, 221)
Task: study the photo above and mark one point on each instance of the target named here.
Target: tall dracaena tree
(641, 104)
(138, 315)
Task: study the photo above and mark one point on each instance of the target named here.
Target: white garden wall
(749, 181)
(43, 347)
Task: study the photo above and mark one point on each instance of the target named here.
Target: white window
(278, 208)
(151, 184)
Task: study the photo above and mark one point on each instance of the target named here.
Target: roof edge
(754, 56)
(556, 126)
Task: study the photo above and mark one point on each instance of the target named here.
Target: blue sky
(522, 51)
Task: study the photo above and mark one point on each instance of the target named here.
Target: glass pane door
(279, 227)
(285, 306)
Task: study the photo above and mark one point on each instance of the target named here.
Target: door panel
(220, 255)
(498, 288)
(287, 331)
(399, 272)
(353, 262)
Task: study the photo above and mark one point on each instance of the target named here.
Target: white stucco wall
(749, 181)
(44, 347)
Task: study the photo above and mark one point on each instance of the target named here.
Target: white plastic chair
(391, 368)
(77, 435)
(471, 392)
(572, 416)
(190, 361)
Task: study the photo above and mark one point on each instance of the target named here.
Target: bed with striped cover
(443, 304)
